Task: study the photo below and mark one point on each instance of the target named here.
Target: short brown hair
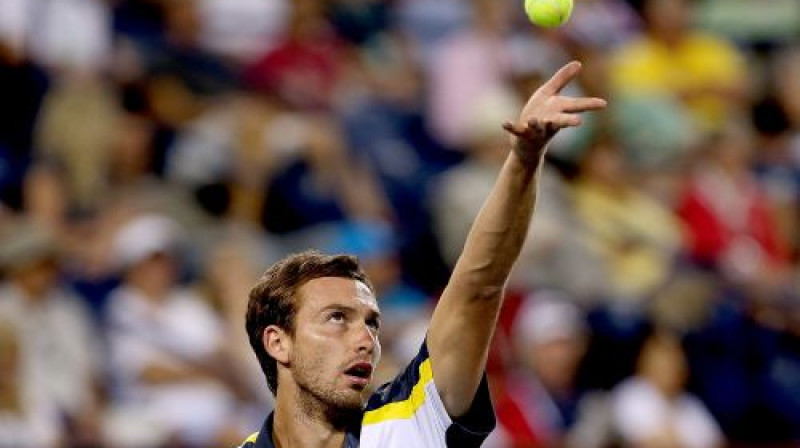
(273, 299)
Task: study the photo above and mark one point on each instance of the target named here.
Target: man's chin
(354, 395)
(355, 400)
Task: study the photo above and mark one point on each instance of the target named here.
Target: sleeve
(472, 428)
(412, 396)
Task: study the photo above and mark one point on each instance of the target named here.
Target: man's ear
(277, 343)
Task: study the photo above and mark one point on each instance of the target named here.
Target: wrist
(527, 157)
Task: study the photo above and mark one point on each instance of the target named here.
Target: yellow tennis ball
(548, 13)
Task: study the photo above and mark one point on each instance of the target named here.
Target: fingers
(562, 77)
(565, 120)
(543, 127)
(567, 104)
(515, 128)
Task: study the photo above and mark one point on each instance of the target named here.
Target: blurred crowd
(156, 155)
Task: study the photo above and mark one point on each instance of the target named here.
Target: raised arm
(464, 319)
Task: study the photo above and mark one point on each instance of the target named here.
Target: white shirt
(58, 344)
(176, 332)
(641, 412)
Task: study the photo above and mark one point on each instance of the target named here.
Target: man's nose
(367, 338)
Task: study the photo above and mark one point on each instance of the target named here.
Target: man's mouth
(360, 373)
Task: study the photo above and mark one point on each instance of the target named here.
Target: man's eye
(336, 316)
(374, 323)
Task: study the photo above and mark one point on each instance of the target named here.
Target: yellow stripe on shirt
(251, 438)
(406, 408)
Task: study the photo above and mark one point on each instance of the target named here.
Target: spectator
(306, 67)
(652, 409)
(468, 65)
(165, 346)
(636, 237)
(57, 341)
(540, 400)
(76, 127)
(703, 71)
(730, 227)
(321, 184)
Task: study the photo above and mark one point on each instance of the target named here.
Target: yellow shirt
(700, 61)
(635, 235)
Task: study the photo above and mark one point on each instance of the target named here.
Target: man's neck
(298, 424)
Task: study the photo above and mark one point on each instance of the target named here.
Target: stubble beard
(318, 399)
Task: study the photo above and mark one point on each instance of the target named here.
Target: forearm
(498, 233)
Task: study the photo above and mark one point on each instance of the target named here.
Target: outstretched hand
(545, 113)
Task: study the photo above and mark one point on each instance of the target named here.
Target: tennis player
(314, 323)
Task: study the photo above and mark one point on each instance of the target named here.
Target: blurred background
(157, 155)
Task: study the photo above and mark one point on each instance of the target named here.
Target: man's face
(668, 18)
(335, 346)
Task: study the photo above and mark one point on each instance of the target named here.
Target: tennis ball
(548, 13)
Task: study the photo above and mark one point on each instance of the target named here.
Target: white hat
(144, 236)
(547, 316)
(15, 22)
